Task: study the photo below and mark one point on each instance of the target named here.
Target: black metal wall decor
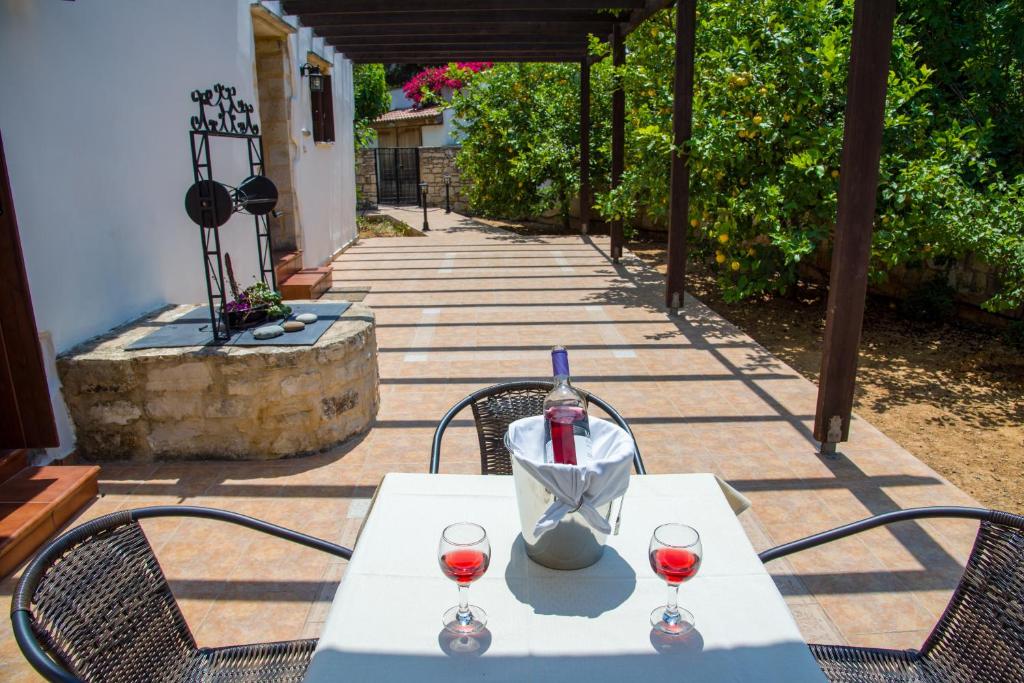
(210, 204)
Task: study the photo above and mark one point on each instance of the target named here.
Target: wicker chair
(979, 638)
(498, 406)
(94, 606)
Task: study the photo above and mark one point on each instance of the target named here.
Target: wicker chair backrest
(493, 414)
(103, 608)
(980, 637)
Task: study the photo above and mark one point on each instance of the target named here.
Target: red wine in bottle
(567, 431)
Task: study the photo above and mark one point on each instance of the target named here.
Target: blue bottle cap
(560, 361)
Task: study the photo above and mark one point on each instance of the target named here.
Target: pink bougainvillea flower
(435, 79)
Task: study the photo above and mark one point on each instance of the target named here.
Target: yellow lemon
(650, 93)
(835, 174)
(757, 120)
(735, 265)
(694, 222)
(786, 117)
(763, 91)
(723, 238)
(719, 257)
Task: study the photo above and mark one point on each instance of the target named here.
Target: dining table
(590, 624)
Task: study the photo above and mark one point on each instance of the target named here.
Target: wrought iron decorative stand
(222, 116)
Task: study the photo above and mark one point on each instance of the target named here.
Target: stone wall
(273, 69)
(240, 403)
(435, 162)
(366, 178)
(972, 280)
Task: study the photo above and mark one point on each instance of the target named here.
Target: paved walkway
(468, 306)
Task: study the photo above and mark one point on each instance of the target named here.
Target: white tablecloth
(548, 625)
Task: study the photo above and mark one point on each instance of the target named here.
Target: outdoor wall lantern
(316, 79)
(447, 193)
(423, 195)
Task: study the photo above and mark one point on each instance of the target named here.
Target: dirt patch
(952, 394)
(380, 225)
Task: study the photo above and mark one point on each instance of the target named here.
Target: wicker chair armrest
(242, 520)
(21, 616)
(881, 520)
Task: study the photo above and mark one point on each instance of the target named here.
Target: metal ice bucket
(573, 543)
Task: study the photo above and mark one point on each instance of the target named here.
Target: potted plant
(254, 305)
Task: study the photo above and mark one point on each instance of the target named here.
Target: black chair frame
(962, 645)
(525, 385)
(21, 615)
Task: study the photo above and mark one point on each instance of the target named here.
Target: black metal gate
(398, 175)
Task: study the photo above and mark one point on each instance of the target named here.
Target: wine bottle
(566, 429)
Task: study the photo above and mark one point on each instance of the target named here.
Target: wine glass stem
(464, 616)
(672, 606)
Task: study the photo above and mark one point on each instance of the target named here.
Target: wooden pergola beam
(870, 51)
(618, 136)
(313, 7)
(585, 191)
(454, 19)
(682, 129)
(442, 57)
(456, 41)
(576, 29)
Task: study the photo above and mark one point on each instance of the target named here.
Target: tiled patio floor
(469, 306)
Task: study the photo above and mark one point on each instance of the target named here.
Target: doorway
(275, 71)
(26, 414)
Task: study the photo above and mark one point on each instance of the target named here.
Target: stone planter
(240, 403)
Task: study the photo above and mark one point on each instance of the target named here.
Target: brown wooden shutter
(327, 107)
(316, 104)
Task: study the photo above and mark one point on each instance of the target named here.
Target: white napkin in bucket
(583, 487)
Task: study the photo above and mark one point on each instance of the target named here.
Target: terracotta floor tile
(700, 395)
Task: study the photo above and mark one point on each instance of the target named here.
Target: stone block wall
(366, 178)
(232, 402)
(435, 162)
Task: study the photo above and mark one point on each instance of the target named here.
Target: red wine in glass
(675, 565)
(675, 552)
(464, 566)
(464, 554)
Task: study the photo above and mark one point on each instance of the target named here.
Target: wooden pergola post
(618, 135)
(858, 185)
(682, 129)
(585, 192)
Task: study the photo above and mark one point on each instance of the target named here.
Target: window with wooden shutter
(328, 110)
(322, 106)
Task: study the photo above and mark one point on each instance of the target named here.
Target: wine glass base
(679, 625)
(476, 622)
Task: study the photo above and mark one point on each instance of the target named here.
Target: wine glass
(675, 554)
(464, 554)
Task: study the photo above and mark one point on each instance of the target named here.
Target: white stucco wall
(399, 100)
(94, 116)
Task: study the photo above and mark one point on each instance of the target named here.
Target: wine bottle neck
(560, 363)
